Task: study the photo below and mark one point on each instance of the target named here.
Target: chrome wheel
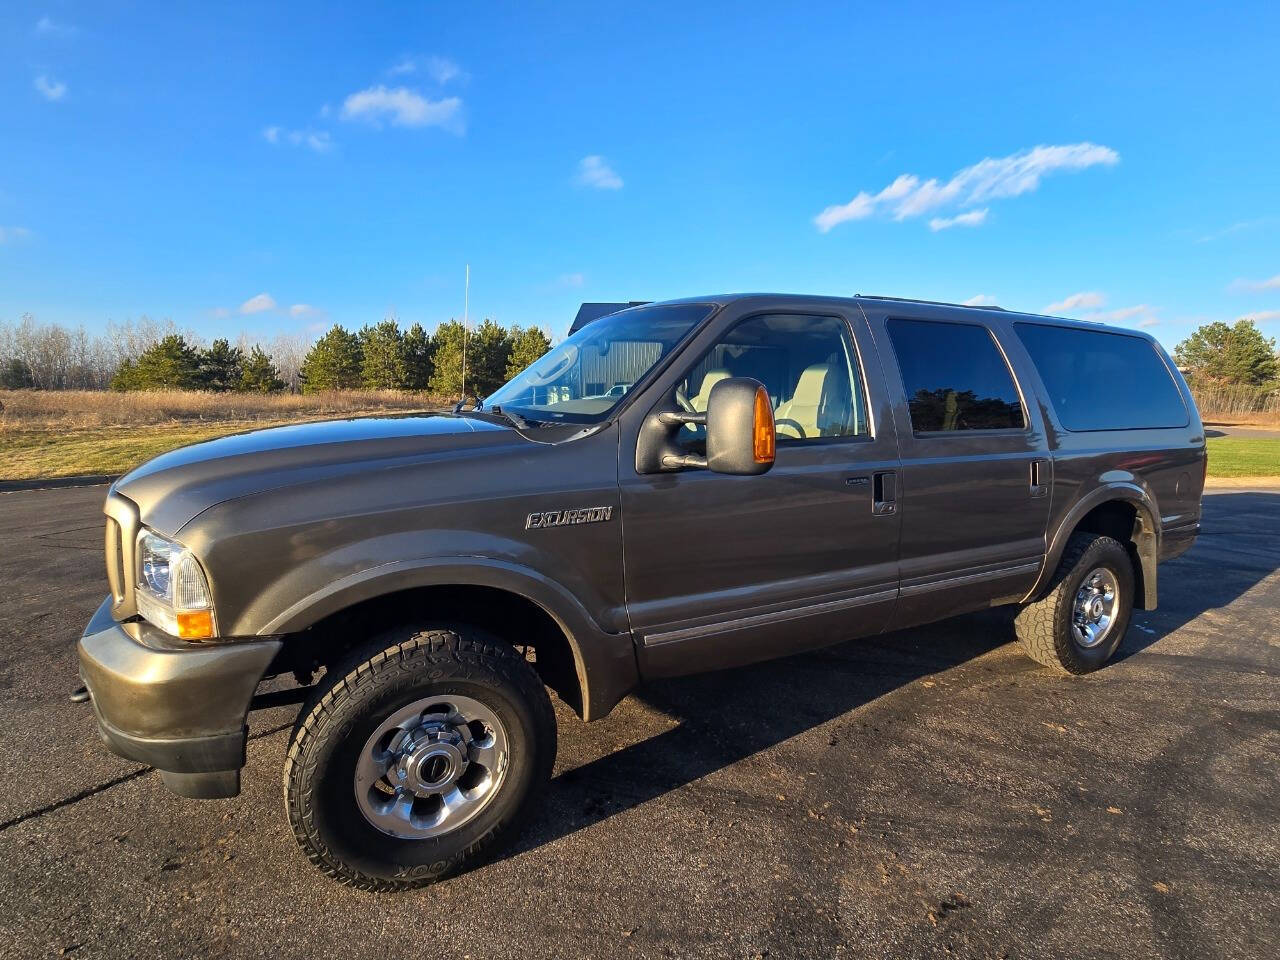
(431, 766)
(1096, 607)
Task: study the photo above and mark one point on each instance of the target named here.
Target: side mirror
(740, 433)
(740, 430)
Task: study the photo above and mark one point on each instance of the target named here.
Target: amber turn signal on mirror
(763, 431)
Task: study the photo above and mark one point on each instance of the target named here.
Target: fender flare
(1145, 536)
(605, 662)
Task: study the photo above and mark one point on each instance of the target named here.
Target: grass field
(72, 433)
(1244, 456)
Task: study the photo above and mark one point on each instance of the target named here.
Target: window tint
(955, 377)
(808, 365)
(1103, 381)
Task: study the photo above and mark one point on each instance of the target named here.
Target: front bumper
(179, 707)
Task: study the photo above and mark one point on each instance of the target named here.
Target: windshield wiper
(517, 421)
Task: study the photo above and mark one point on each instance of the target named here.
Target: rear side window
(956, 378)
(1099, 380)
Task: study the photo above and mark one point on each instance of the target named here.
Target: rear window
(1098, 380)
(955, 377)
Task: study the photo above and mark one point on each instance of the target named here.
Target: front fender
(1146, 535)
(605, 662)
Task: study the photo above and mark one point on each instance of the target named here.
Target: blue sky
(265, 168)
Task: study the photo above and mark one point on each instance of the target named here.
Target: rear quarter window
(1100, 380)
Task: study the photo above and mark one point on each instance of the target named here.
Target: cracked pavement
(926, 793)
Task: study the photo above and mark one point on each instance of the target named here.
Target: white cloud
(593, 171)
(1086, 300)
(262, 302)
(317, 140)
(993, 178)
(1143, 314)
(219, 313)
(571, 280)
(1262, 316)
(974, 218)
(13, 234)
(50, 89)
(440, 69)
(299, 310)
(403, 107)
(981, 300)
(48, 27)
(1271, 283)
(1234, 228)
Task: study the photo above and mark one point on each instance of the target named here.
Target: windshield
(584, 378)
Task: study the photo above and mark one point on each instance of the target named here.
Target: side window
(808, 365)
(1103, 380)
(956, 378)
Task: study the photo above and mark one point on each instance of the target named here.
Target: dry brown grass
(87, 409)
(48, 433)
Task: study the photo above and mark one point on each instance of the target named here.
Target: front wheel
(411, 764)
(1079, 623)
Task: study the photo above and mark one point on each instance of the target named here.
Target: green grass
(1244, 456)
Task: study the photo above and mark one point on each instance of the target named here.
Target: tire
(1047, 628)
(452, 672)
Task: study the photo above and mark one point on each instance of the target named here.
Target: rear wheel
(412, 763)
(1079, 623)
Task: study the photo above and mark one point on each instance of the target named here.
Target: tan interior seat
(709, 380)
(810, 411)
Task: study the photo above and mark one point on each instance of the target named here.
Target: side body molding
(605, 662)
(1146, 534)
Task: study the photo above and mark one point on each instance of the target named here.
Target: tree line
(383, 356)
(153, 356)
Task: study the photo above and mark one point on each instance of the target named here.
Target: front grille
(122, 534)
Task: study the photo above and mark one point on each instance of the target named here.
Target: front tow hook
(81, 695)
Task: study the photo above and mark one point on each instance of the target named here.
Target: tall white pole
(466, 307)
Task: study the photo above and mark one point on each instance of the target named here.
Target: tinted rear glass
(1099, 380)
(955, 377)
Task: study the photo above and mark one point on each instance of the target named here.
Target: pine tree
(417, 358)
(221, 366)
(259, 374)
(446, 361)
(1219, 353)
(488, 353)
(170, 364)
(383, 356)
(332, 363)
(527, 345)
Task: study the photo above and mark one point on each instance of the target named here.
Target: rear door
(975, 463)
(722, 570)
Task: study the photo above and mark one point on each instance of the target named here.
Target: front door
(724, 570)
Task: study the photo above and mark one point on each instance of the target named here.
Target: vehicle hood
(177, 486)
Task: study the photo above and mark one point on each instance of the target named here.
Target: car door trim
(774, 616)
(994, 573)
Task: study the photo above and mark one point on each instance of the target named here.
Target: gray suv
(676, 487)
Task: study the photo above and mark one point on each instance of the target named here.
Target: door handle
(884, 495)
(1039, 478)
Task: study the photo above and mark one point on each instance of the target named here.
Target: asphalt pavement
(926, 793)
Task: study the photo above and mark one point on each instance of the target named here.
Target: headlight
(172, 590)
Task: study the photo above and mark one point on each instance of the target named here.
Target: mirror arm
(678, 418)
(673, 462)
